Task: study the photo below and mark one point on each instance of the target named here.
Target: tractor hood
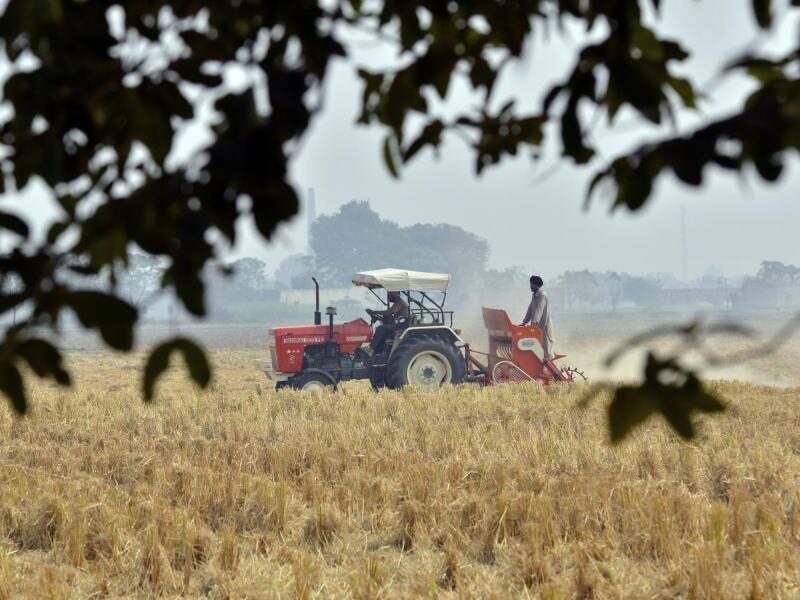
(401, 280)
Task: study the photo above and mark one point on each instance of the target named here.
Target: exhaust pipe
(331, 312)
(317, 314)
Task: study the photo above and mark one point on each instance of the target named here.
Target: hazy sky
(532, 213)
(538, 221)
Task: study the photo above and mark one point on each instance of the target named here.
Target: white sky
(532, 213)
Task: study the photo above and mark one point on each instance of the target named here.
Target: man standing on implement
(539, 314)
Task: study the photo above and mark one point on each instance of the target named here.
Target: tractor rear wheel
(314, 383)
(425, 362)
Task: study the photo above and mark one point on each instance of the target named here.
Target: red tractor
(423, 350)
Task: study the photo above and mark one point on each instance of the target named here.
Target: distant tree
(777, 273)
(713, 278)
(614, 284)
(295, 271)
(581, 287)
(444, 248)
(356, 238)
(767, 288)
(304, 281)
(249, 275)
(665, 280)
(642, 291)
(514, 277)
(353, 239)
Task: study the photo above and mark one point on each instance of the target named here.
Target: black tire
(311, 382)
(427, 362)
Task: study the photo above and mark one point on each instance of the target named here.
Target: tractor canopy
(402, 280)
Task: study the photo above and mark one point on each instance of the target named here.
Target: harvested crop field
(238, 492)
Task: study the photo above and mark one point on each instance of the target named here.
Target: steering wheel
(374, 316)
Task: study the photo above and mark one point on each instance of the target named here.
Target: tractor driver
(539, 314)
(389, 318)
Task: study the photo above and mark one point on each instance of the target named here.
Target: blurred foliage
(159, 359)
(99, 92)
(668, 389)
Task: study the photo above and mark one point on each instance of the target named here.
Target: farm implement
(423, 350)
(515, 354)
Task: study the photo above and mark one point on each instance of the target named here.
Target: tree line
(356, 238)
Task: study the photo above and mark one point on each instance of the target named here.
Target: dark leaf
(674, 51)
(667, 388)
(572, 136)
(44, 359)
(683, 88)
(189, 288)
(481, 74)
(704, 401)
(372, 87)
(595, 182)
(441, 79)
(159, 360)
(11, 385)
(634, 191)
(431, 135)
(531, 129)
(9, 301)
(85, 270)
(763, 13)
(13, 223)
(647, 42)
(678, 417)
(56, 230)
(191, 69)
(388, 156)
(274, 205)
(629, 407)
(113, 317)
(551, 97)
(769, 167)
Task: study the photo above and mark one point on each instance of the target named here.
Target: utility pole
(684, 247)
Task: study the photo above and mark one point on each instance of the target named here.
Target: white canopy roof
(399, 280)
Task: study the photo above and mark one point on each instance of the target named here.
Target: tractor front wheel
(313, 383)
(425, 362)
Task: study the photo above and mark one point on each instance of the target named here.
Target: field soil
(513, 491)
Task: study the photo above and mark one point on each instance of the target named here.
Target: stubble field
(238, 492)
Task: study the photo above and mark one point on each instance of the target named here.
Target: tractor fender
(322, 372)
(437, 330)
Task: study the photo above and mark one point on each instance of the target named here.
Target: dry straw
(239, 492)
